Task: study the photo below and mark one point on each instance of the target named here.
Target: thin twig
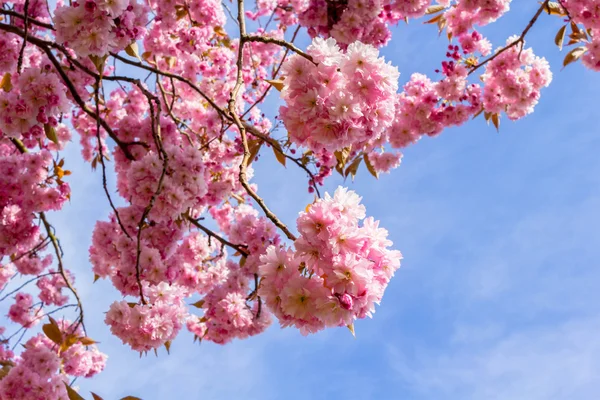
(26, 23)
(520, 40)
(242, 129)
(236, 247)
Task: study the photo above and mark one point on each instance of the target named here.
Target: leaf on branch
(351, 329)
(171, 61)
(243, 261)
(220, 31)
(98, 63)
(353, 167)
(168, 346)
(560, 37)
(198, 304)
(279, 154)
(277, 84)
(554, 8)
(73, 395)
(96, 276)
(86, 341)
(96, 397)
(435, 19)
(434, 9)
(254, 147)
(131, 305)
(496, 121)
(6, 82)
(133, 51)
(370, 167)
(69, 341)
(574, 55)
(478, 113)
(50, 133)
(131, 398)
(53, 332)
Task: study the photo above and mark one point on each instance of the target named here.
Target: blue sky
(497, 296)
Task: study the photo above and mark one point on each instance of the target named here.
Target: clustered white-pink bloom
(338, 271)
(23, 312)
(42, 369)
(183, 186)
(366, 21)
(95, 27)
(513, 81)
(38, 98)
(426, 108)
(587, 13)
(26, 188)
(148, 326)
(345, 100)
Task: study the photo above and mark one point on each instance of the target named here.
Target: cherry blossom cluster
(338, 271)
(465, 14)
(26, 187)
(148, 326)
(190, 247)
(42, 370)
(366, 21)
(229, 310)
(513, 80)
(587, 13)
(97, 27)
(38, 97)
(343, 99)
(426, 108)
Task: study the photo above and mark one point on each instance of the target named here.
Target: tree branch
(520, 40)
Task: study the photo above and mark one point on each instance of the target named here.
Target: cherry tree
(168, 96)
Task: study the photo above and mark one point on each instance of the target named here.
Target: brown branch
(101, 157)
(236, 247)
(46, 48)
(155, 124)
(26, 23)
(56, 246)
(242, 129)
(61, 269)
(27, 283)
(278, 149)
(520, 40)
(33, 21)
(175, 119)
(279, 42)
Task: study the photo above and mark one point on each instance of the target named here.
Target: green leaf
(50, 133)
